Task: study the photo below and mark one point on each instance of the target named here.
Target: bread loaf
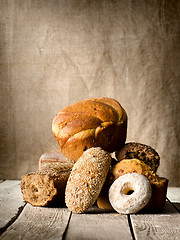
(86, 179)
(158, 198)
(96, 122)
(45, 188)
(54, 161)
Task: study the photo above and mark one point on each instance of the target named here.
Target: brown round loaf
(96, 122)
(55, 161)
(86, 179)
(44, 188)
(139, 151)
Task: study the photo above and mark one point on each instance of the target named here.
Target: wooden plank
(98, 224)
(163, 226)
(11, 202)
(173, 194)
(38, 223)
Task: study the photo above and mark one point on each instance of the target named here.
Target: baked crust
(90, 123)
(139, 151)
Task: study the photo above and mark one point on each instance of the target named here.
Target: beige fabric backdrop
(54, 53)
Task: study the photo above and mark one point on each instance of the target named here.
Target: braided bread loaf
(96, 122)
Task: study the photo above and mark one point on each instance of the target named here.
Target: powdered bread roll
(96, 122)
(86, 179)
(130, 193)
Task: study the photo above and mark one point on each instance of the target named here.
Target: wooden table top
(20, 220)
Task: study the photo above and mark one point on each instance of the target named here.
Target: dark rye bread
(139, 151)
(45, 188)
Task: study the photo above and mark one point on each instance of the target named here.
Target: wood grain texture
(55, 53)
(11, 201)
(58, 223)
(98, 224)
(165, 225)
(38, 223)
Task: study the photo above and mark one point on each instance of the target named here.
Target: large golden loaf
(95, 122)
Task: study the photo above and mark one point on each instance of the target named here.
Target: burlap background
(54, 53)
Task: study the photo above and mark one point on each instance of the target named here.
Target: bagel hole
(129, 192)
(127, 189)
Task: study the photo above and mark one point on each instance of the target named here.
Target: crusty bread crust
(90, 123)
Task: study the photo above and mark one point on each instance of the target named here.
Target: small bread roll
(86, 179)
(140, 151)
(131, 166)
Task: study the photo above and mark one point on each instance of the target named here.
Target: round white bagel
(130, 193)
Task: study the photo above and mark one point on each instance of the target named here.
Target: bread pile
(82, 172)
(46, 187)
(142, 159)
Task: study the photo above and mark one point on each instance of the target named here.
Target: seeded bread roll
(86, 179)
(96, 122)
(140, 151)
(44, 188)
(55, 161)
